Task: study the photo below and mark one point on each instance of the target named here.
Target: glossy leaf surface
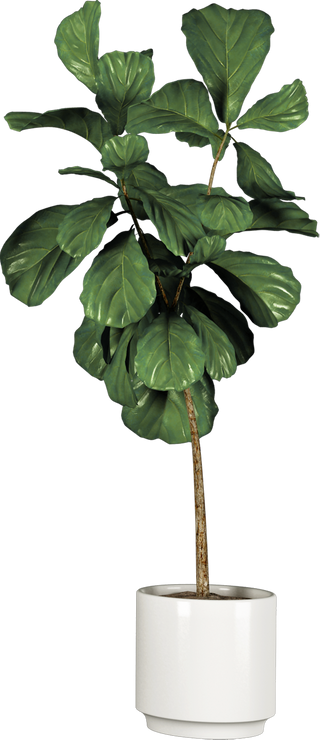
(83, 227)
(146, 177)
(87, 350)
(122, 154)
(125, 78)
(77, 41)
(201, 141)
(32, 262)
(81, 121)
(169, 354)
(162, 261)
(224, 213)
(179, 106)
(220, 358)
(88, 172)
(116, 376)
(118, 288)
(163, 414)
(228, 48)
(208, 248)
(281, 111)
(267, 291)
(256, 177)
(177, 225)
(275, 215)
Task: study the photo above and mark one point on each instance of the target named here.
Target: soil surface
(193, 595)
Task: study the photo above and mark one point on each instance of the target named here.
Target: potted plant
(158, 342)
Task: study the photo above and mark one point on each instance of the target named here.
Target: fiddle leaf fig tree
(156, 338)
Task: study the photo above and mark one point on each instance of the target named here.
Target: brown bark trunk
(202, 566)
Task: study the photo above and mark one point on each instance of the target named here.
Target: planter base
(212, 730)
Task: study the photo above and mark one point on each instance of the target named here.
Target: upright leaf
(122, 154)
(224, 213)
(124, 78)
(220, 358)
(77, 42)
(274, 215)
(87, 351)
(228, 48)
(256, 177)
(177, 225)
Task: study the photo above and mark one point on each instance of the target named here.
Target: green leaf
(228, 48)
(162, 261)
(256, 177)
(80, 121)
(224, 213)
(77, 42)
(118, 288)
(201, 141)
(207, 249)
(122, 154)
(147, 52)
(32, 262)
(267, 291)
(124, 78)
(280, 111)
(108, 338)
(228, 318)
(220, 358)
(163, 414)
(176, 224)
(146, 177)
(116, 375)
(178, 106)
(275, 215)
(169, 354)
(86, 171)
(87, 350)
(83, 227)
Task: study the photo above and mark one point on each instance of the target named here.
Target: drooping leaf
(201, 141)
(224, 213)
(119, 288)
(163, 414)
(232, 322)
(146, 177)
(275, 215)
(256, 177)
(83, 227)
(108, 338)
(125, 78)
(162, 261)
(122, 154)
(228, 48)
(86, 350)
(176, 224)
(81, 121)
(116, 375)
(267, 291)
(32, 262)
(220, 358)
(281, 111)
(77, 42)
(169, 354)
(178, 106)
(87, 171)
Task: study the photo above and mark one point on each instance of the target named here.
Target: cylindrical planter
(206, 668)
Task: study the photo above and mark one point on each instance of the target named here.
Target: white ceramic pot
(206, 668)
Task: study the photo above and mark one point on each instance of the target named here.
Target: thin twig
(216, 162)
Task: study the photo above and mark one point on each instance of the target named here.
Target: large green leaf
(77, 42)
(146, 177)
(207, 249)
(256, 177)
(178, 106)
(275, 215)
(83, 227)
(163, 414)
(280, 111)
(220, 358)
(119, 288)
(228, 48)
(232, 322)
(162, 261)
(124, 78)
(177, 225)
(224, 213)
(87, 351)
(169, 354)
(122, 154)
(81, 121)
(32, 261)
(267, 291)
(201, 141)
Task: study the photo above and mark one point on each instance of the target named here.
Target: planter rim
(242, 592)
(222, 587)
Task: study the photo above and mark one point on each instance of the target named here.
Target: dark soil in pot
(211, 596)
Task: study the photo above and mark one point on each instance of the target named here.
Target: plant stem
(202, 565)
(143, 240)
(216, 161)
